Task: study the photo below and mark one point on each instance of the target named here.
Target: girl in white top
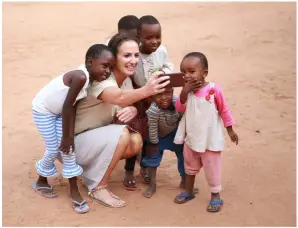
(153, 58)
(200, 128)
(54, 109)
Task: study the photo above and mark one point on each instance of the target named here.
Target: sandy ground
(251, 51)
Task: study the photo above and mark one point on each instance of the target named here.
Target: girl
(54, 112)
(201, 129)
(153, 58)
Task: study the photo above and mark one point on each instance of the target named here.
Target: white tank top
(201, 126)
(50, 99)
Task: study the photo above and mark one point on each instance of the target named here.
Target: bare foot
(150, 191)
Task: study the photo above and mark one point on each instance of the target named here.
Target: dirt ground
(251, 48)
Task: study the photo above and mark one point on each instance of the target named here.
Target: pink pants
(210, 160)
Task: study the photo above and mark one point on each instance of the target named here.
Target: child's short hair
(147, 19)
(128, 22)
(199, 55)
(96, 50)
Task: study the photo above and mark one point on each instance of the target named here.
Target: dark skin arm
(75, 80)
(232, 134)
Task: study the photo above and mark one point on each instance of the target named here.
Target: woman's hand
(157, 85)
(127, 114)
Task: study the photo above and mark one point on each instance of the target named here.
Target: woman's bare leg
(118, 155)
(134, 146)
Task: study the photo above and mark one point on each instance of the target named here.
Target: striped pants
(50, 128)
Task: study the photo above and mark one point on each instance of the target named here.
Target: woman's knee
(124, 138)
(136, 142)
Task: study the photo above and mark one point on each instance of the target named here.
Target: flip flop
(40, 191)
(81, 207)
(184, 195)
(213, 203)
(130, 185)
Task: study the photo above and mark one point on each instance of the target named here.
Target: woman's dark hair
(118, 39)
(95, 51)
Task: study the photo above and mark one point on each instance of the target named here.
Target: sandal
(212, 206)
(106, 198)
(81, 207)
(184, 195)
(130, 185)
(41, 191)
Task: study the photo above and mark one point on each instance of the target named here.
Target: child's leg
(212, 163)
(192, 165)
(144, 170)
(70, 168)
(152, 162)
(45, 167)
(129, 179)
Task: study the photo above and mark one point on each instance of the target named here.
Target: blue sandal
(81, 207)
(41, 191)
(211, 207)
(184, 195)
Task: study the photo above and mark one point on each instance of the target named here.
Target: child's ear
(205, 73)
(89, 62)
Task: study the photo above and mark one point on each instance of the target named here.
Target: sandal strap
(216, 202)
(79, 203)
(44, 188)
(184, 194)
(97, 188)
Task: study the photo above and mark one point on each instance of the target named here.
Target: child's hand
(191, 85)
(67, 145)
(233, 135)
(150, 149)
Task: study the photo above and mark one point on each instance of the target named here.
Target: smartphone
(176, 79)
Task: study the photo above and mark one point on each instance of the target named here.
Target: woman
(99, 149)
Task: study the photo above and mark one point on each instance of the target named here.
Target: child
(128, 24)
(163, 120)
(54, 115)
(201, 129)
(153, 58)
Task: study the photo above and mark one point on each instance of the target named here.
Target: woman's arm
(125, 97)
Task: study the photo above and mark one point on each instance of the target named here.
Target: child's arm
(225, 114)
(75, 81)
(153, 116)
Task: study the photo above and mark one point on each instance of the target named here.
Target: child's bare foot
(150, 191)
(145, 175)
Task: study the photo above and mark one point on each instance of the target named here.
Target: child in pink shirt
(201, 128)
